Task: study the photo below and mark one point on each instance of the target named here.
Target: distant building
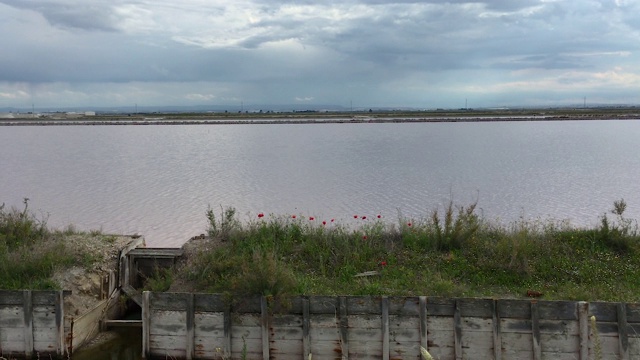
(89, 113)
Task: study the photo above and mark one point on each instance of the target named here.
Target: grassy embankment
(453, 252)
(30, 252)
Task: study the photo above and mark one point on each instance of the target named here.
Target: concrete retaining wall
(205, 326)
(31, 322)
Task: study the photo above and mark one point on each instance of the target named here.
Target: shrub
(620, 235)
(20, 227)
(454, 231)
(223, 227)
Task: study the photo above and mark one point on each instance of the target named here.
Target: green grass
(30, 253)
(455, 253)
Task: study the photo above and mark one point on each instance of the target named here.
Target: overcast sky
(370, 53)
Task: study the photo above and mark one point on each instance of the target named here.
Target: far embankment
(318, 117)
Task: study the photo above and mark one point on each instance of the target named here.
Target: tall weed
(454, 231)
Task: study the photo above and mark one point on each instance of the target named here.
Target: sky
(359, 53)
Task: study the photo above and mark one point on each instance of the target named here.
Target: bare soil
(85, 284)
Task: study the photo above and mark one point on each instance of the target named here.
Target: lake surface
(159, 180)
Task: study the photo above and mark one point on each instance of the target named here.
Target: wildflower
(364, 237)
(260, 215)
(324, 222)
(355, 216)
(379, 216)
(311, 218)
(293, 216)
(364, 218)
(409, 224)
(332, 220)
(383, 263)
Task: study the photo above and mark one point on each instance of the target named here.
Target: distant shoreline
(319, 119)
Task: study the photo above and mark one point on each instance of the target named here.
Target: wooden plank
(123, 323)
(43, 316)
(441, 324)
(423, 322)
(264, 325)
(325, 350)
(168, 323)
(43, 297)
(478, 345)
(28, 323)
(633, 313)
(59, 310)
(208, 324)
(208, 347)
(286, 348)
(604, 311)
(11, 297)
(146, 325)
(11, 316)
(365, 349)
(385, 328)
(407, 306)
(167, 342)
(250, 320)
(168, 301)
(437, 306)
(557, 310)
(306, 324)
(156, 252)
(514, 309)
(583, 314)
(285, 333)
(323, 305)
(623, 337)
(344, 326)
(560, 343)
(497, 334)
(247, 332)
(227, 332)
(190, 333)
(362, 305)
(13, 335)
(402, 351)
(457, 331)
(324, 334)
(247, 305)
(207, 303)
(252, 347)
(535, 330)
(471, 307)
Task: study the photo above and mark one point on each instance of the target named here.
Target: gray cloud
(71, 14)
(399, 52)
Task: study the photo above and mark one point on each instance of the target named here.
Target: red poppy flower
(379, 216)
(364, 237)
(293, 216)
(311, 218)
(260, 215)
(364, 218)
(383, 263)
(355, 216)
(332, 220)
(324, 223)
(409, 224)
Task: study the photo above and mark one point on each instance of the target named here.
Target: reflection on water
(159, 180)
(127, 345)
